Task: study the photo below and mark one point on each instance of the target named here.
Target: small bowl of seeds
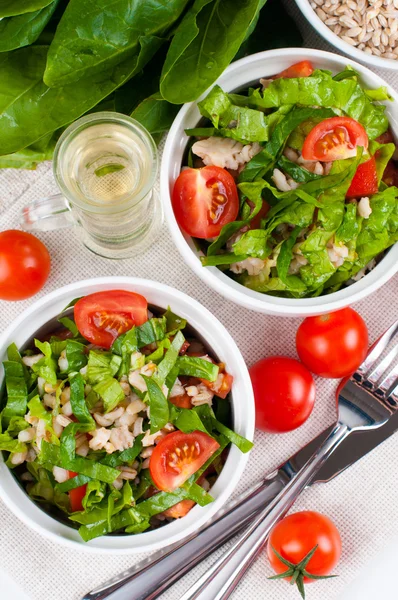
(366, 30)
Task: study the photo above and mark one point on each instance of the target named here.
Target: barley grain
(354, 32)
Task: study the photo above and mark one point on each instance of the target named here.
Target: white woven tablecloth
(361, 501)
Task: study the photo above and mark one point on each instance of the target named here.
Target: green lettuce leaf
(16, 388)
(78, 402)
(321, 89)
(111, 393)
(47, 366)
(192, 366)
(102, 365)
(241, 123)
(159, 407)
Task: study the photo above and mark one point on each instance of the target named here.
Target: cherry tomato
(333, 345)
(296, 535)
(303, 68)
(221, 386)
(180, 509)
(204, 200)
(24, 265)
(178, 456)
(334, 139)
(364, 182)
(103, 316)
(284, 393)
(182, 401)
(76, 495)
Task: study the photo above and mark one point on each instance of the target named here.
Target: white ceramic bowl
(239, 75)
(218, 339)
(368, 59)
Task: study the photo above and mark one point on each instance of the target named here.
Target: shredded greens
(55, 411)
(314, 236)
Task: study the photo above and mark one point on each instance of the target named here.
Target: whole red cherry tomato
(295, 537)
(284, 393)
(24, 265)
(333, 345)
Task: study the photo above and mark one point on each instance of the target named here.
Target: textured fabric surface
(360, 501)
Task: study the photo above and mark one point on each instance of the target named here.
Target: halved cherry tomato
(204, 200)
(180, 509)
(178, 456)
(365, 182)
(303, 68)
(76, 495)
(103, 316)
(334, 139)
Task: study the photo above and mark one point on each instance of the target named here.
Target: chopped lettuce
(17, 392)
(46, 367)
(238, 122)
(321, 89)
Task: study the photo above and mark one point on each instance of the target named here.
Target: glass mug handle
(47, 214)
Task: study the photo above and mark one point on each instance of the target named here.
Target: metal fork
(366, 401)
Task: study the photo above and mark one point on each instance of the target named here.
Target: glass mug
(105, 165)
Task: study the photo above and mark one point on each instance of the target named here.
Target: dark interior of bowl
(52, 327)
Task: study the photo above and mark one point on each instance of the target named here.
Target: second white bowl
(239, 75)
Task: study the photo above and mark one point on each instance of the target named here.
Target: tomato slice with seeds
(204, 200)
(334, 139)
(103, 316)
(303, 68)
(76, 495)
(365, 181)
(178, 456)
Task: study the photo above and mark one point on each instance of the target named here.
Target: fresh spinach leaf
(204, 43)
(155, 114)
(29, 109)
(10, 8)
(23, 30)
(94, 36)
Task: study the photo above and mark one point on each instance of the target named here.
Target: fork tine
(375, 374)
(378, 349)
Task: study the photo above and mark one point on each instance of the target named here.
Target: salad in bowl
(279, 184)
(116, 418)
(289, 186)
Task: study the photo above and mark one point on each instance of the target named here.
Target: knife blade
(150, 578)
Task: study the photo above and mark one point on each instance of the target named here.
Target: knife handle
(151, 577)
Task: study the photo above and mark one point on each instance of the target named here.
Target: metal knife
(151, 577)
